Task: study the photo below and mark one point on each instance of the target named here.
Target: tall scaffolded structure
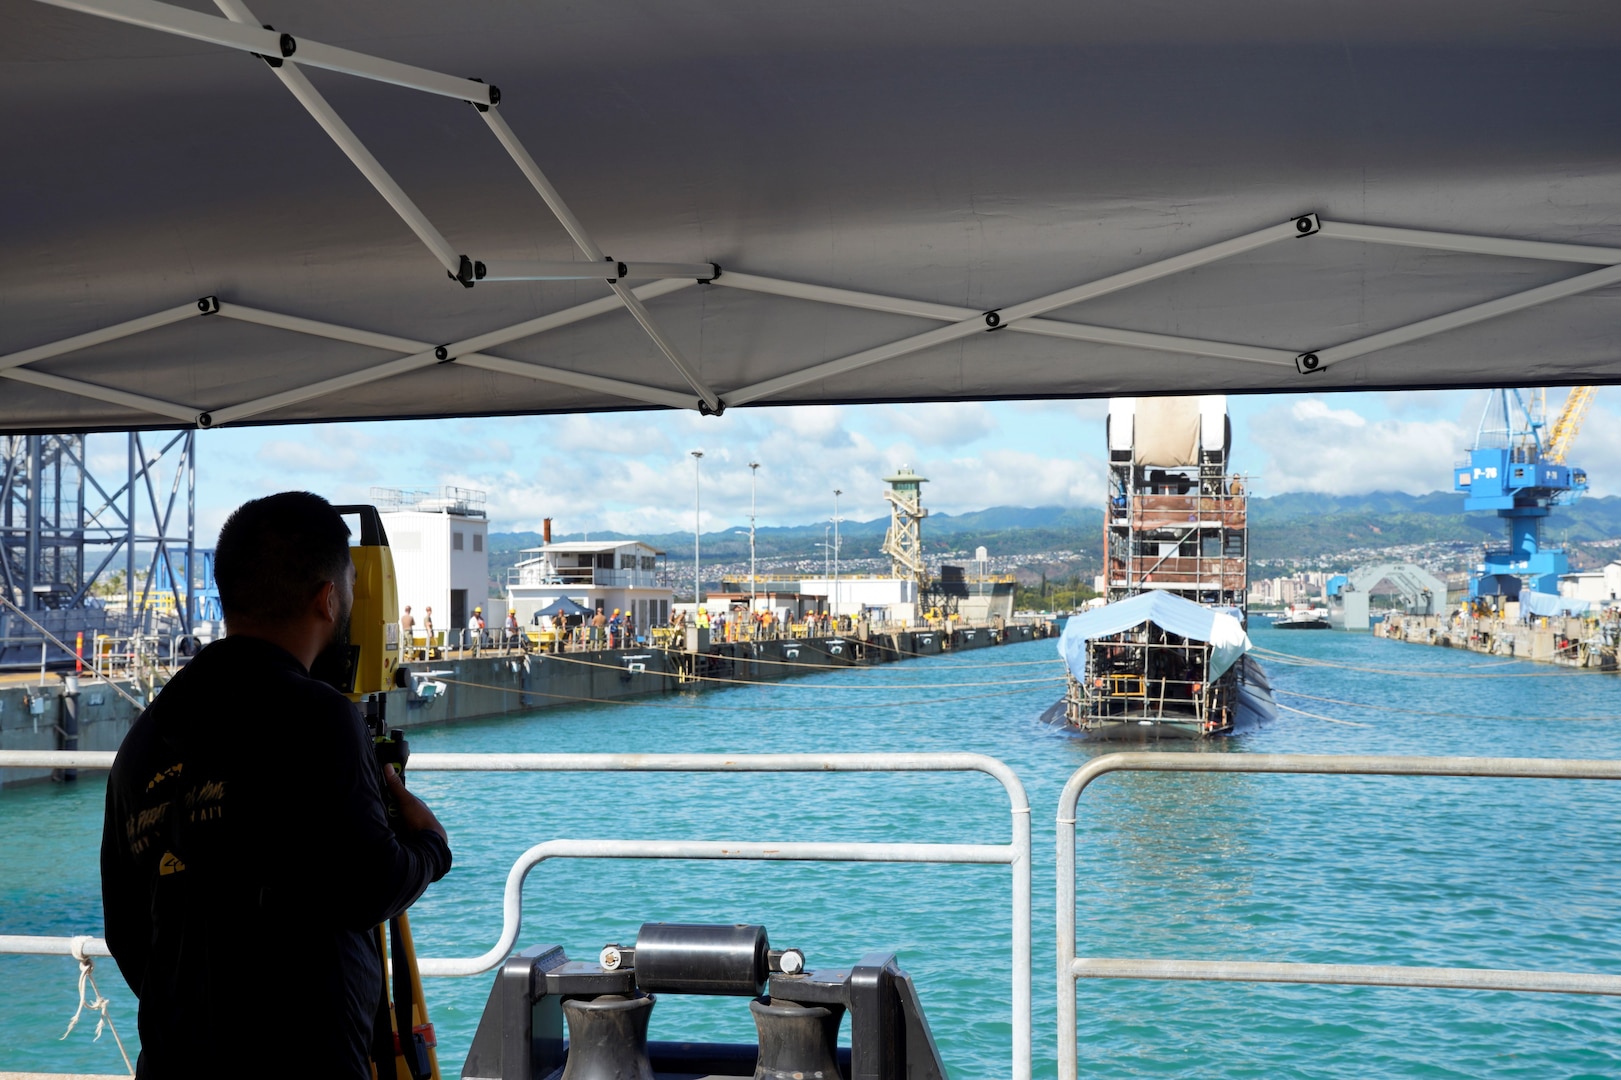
(64, 524)
(904, 541)
(1517, 468)
(1176, 520)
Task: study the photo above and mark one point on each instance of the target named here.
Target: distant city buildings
(1281, 591)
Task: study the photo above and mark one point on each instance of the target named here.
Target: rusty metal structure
(1175, 537)
(1176, 518)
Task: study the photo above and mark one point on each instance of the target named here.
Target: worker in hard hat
(475, 629)
(514, 635)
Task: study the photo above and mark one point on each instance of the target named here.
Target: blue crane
(1517, 468)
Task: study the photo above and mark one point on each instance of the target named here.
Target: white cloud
(953, 423)
(1309, 445)
(1007, 477)
(814, 425)
(1087, 410)
(1598, 449)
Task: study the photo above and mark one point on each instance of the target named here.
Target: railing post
(1297, 764)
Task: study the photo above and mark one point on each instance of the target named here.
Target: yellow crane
(1568, 423)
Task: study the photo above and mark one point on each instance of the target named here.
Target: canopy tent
(564, 606)
(838, 202)
(1167, 611)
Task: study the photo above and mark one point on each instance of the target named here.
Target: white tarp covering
(1167, 611)
(1130, 210)
(1541, 603)
(1166, 432)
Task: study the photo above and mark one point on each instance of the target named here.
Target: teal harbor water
(1481, 873)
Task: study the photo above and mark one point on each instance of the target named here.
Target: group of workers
(615, 630)
(476, 636)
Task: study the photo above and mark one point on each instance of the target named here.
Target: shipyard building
(439, 540)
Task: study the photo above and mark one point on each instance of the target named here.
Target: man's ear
(326, 602)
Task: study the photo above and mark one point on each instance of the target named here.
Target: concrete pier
(1568, 640)
(35, 713)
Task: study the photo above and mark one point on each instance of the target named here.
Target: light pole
(754, 581)
(827, 556)
(697, 590)
(836, 494)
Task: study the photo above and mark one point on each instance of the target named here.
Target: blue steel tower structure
(1513, 471)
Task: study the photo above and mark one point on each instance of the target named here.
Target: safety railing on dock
(1072, 969)
(1015, 854)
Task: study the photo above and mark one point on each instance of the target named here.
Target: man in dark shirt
(247, 854)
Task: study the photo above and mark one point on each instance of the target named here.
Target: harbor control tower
(904, 541)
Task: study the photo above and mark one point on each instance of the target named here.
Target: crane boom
(1569, 423)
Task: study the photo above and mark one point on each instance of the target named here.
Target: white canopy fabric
(1167, 611)
(887, 202)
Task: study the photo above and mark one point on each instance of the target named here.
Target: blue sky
(631, 471)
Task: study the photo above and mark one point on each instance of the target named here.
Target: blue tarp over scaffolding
(1168, 612)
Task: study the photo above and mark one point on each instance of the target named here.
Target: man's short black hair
(275, 553)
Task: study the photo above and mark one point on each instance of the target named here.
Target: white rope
(1319, 716)
(87, 969)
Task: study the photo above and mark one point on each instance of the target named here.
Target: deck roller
(606, 1006)
(681, 958)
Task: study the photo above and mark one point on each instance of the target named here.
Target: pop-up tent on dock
(564, 606)
(714, 203)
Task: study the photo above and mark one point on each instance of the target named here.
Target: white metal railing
(1071, 969)
(1015, 854)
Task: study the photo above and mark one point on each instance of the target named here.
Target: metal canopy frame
(284, 53)
(961, 322)
(239, 30)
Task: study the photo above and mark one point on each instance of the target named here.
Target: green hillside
(1283, 527)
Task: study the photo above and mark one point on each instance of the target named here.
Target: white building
(1597, 586)
(599, 574)
(890, 598)
(439, 543)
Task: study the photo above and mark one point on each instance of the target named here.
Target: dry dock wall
(478, 687)
(33, 717)
(1566, 640)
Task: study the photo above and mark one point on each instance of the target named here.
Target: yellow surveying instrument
(402, 1037)
(374, 622)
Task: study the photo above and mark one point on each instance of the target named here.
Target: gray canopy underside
(943, 160)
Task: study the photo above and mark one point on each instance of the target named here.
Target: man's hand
(414, 813)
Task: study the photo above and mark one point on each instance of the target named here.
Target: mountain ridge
(1294, 524)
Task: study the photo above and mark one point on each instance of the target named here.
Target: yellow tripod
(405, 1040)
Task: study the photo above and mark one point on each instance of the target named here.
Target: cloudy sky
(631, 472)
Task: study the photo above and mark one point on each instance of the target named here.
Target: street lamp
(836, 494)
(697, 590)
(827, 555)
(754, 581)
